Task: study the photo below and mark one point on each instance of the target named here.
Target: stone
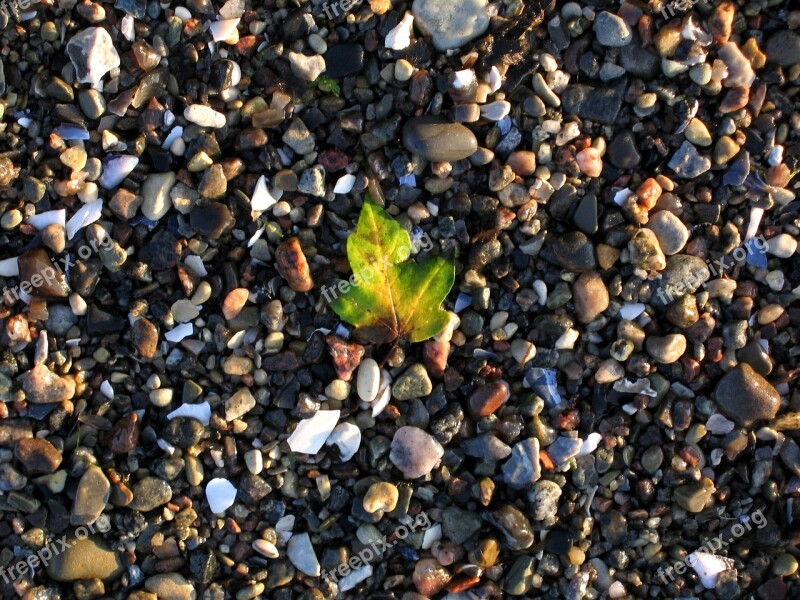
(91, 497)
(92, 54)
(306, 67)
(783, 48)
(368, 380)
(684, 274)
(669, 230)
(342, 60)
(414, 452)
(89, 558)
(585, 217)
(514, 526)
(413, 383)
(449, 24)
(124, 435)
(697, 133)
(782, 245)
(740, 71)
(746, 397)
(623, 152)
(590, 296)
(574, 251)
(543, 500)
(667, 349)
(487, 399)
(150, 493)
(144, 336)
(688, 163)
(239, 404)
(293, 266)
(42, 386)
(39, 277)
(523, 468)
(37, 456)
(381, 496)
(204, 116)
(212, 220)
(436, 139)
(429, 577)
(694, 496)
(347, 438)
(170, 586)
(595, 104)
(611, 30)
(155, 190)
(302, 556)
(458, 525)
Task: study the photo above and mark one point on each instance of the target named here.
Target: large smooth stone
(438, 140)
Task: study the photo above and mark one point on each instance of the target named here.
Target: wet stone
(37, 456)
(514, 526)
(574, 251)
(488, 399)
(91, 497)
(39, 277)
(150, 493)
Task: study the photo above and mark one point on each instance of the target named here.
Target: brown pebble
(487, 399)
(144, 336)
(293, 266)
(234, 303)
(346, 356)
(124, 435)
(435, 357)
(37, 455)
(590, 296)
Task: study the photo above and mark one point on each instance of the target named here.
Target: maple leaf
(390, 295)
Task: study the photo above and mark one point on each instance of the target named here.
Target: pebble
(623, 152)
(220, 494)
(697, 133)
(671, 233)
(301, 553)
(239, 404)
(170, 586)
(740, 72)
(611, 30)
(306, 67)
(667, 349)
(436, 139)
(783, 48)
(155, 191)
(782, 245)
(342, 60)
(694, 496)
(381, 496)
(89, 558)
(746, 397)
(150, 493)
(42, 386)
(451, 25)
(590, 296)
(92, 54)
(212, 220)
(91, 497)
(429, 577)
(487, 399)
(204, 116)
(293, 266)
(688, 163)
(144, 336)
(595, 104)
(589, 162)
(413, 383)
(574, 251)
(514, 526)
(523, 468)
(543, 500)
(368, 380)
(414, 452)
(37, 456)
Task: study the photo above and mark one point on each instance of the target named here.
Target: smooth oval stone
(514, 525)
(37, 455)
(574, 251)
(745, 396)
(438, 140)
(487, 399)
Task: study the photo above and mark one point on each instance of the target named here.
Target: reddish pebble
(430, 577)
(487, 399)
(648, 193)
(346, 356)
(435, 357)
(293, 266)
(234, 303)
(124, 435)
(589, 162)
(37, 455)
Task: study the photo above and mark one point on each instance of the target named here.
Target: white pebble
(344, 184)
(220, 494)
(347, 437)
(399, 38)
(368, 380)
(205, 116)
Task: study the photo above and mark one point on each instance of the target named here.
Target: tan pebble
(234, 303)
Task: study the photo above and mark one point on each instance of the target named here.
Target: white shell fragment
(9, 267)
(107, 390)
(399, 38)
(262, 199)
(225, 30)
(220, 494)
(344, 184)
(347, 437)
(116, 169)
(631, 310)
(708, 567)
(86, 215)
(50, 217)
(199, 412)
(178, 333)
(310, 434)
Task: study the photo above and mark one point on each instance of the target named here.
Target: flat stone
(413, 383)
(585, 217)
(91, 497)
(623, 152)
(458, 525)
(670, 231)
(783, 48)
(212, 220)
(688, 163)
(684, 274)
(436, 139)
(342, 60)
(42, 386)
(590, 296)
(451, 24)
(39, 277)
(523, 468)
(155, 193)
(611, 30)
(693, 497)
(89, 558)
(239, 404)
(170, 586)
(595, 104)
(746, 397)
(301, 553)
